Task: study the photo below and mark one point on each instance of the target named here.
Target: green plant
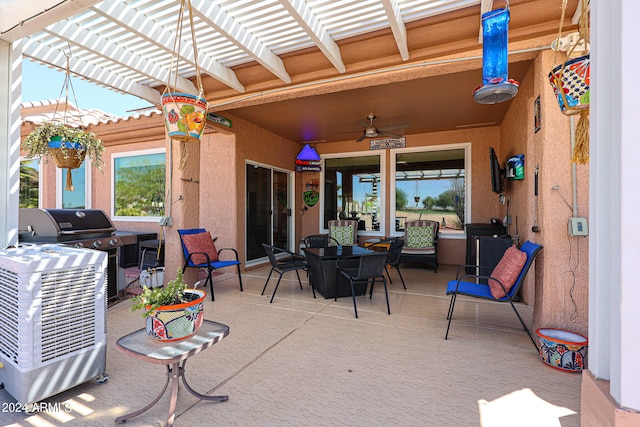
(152, 298)
(36, 144)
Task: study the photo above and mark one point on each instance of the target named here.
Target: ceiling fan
(371, 131)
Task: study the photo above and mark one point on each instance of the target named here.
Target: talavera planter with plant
(172, 312)
(68, 146)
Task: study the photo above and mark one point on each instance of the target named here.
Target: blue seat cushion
(217, 264)
(472, 289)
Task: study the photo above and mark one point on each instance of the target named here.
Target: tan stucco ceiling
(305, 70)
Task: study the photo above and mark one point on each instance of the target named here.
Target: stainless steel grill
(80, 228)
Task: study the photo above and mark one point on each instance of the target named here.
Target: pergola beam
(19, 18)
(139, 24)
(307, 20)
(398, 28)
(56, 58)
(83, 38)
(485, 7)
(213, 15)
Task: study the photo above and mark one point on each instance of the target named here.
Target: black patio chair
(369, 271)
(292, 262)
(395, 250)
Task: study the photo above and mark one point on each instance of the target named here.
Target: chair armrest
(347, 259)
(198, 253)
(465, 266)
(229, 249)
(293, 255)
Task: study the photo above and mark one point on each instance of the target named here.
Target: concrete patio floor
(309, 362)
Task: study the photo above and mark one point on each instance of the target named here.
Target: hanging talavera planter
(184, 115)
(570, 82)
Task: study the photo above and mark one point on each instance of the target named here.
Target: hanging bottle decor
(496, 86)
(184, 113)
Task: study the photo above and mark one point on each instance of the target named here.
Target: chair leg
(267, 282)
(210, 280)
(239, 277)
(386, 294)
(353, 295)
(276, 288)
(387, 271)
(450, 314)
(451, 303)
(299, 279)
(401, 278)
(523, 325)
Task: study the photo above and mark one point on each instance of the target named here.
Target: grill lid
(36, 224)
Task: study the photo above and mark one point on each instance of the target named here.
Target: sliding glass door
(268, 209)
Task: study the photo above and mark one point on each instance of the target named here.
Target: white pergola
(125, 45)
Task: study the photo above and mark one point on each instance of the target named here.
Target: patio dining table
(323, 272)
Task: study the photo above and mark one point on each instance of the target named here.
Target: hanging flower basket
(66, 155)
(67, 146)
(184, 115)
(570, 82)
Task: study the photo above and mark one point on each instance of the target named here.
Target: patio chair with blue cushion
(344, 231)
(200, 251)
(503, 283)
(421, 243)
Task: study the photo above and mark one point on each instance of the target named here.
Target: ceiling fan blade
(391, 134)
(349, 131)
(364, 135)
(365, 124)
(398, 126)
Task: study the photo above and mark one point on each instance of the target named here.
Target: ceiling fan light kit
(496, 86)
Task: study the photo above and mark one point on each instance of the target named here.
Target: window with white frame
(77, 196)
(139, 184)
(352, 189)
(29, 183)
(431, 183)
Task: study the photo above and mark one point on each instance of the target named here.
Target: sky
(40, 83)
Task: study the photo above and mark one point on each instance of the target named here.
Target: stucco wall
(562, 295)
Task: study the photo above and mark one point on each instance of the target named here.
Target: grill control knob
(78, 245)
(96, 244)
(113, 242)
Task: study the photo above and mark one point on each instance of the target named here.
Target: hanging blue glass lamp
(496, 86)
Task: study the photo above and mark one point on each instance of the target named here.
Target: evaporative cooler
(53, 329)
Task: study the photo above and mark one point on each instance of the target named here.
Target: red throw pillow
(200, 242)
(507, 271)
